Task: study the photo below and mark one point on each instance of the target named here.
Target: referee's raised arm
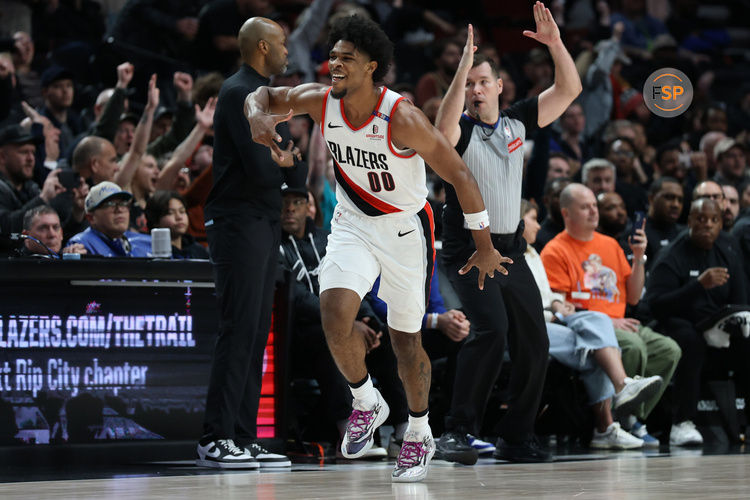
(453, 103)
(556, 99)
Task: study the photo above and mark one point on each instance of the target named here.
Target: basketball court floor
(681, 474)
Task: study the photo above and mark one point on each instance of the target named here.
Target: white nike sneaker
(224, 454)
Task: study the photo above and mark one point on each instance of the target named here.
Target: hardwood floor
(618, 476)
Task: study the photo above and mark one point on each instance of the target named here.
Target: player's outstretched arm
(452, 104)
(268, 106)
(410, 128)
(556, 99)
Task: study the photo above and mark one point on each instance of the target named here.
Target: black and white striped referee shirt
(494, 154)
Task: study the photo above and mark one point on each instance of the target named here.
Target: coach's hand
(487, 261)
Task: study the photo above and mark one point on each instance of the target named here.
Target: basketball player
(510, 307)
(382, 224)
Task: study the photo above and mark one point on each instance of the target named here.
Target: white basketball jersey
(373, 177)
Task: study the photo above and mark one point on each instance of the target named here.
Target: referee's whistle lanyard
(481, 123)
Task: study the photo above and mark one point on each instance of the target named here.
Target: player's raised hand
(547, 31)
(487, 261)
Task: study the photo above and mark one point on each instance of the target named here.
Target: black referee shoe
(527, 451)
(455, 447)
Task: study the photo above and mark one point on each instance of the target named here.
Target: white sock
(419, 425)
(365, 393)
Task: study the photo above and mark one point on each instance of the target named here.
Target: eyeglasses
(115, 204)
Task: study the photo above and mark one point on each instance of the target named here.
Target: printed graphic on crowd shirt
(601, 280)
(668, 92)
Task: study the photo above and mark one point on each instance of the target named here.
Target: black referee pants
(245, 256)
(508, 310)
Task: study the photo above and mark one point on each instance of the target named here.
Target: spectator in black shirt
(711, 190)
(18, 192)
(731, 163)
(58, 93)
(698, 274)
(613, 220)
(242, 224)
(665, 206)
(621, 152)
(303, 246)
(553, 223)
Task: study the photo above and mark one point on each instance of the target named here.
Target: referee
(509, 309)
(243, 229)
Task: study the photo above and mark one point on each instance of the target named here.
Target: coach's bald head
(262, 46)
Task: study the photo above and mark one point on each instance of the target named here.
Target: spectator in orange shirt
(591, 270)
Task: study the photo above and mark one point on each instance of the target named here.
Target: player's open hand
(487, 261)
(547, 31)
(263, 130)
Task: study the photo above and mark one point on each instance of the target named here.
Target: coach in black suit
(243, 229)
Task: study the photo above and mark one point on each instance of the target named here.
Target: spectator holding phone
(591, 271)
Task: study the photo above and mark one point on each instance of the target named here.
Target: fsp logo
(668, 92)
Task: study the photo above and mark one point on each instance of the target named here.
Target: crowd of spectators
(106, 114)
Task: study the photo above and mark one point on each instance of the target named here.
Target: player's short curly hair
(367, 37)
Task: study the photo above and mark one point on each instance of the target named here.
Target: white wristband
(433, 321)
(479, 220)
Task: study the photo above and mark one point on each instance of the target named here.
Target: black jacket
(659, 236)
(673, 289)
(302, 258)
(14, 204)
(190, 249)
(246, 181)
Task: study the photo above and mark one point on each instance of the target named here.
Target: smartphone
(640, 218)
(69, 178)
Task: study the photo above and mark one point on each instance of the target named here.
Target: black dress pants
(687, 377)
(508, 310)
(244, 253)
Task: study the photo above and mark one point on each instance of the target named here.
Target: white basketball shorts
(399, 249)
